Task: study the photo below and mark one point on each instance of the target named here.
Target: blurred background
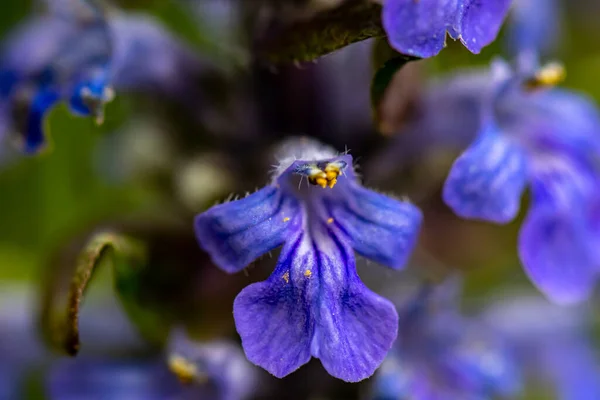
(158, 159)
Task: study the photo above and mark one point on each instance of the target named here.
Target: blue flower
(77, 55)
(550, 343)
(548, 140)
(534, 28)
(441, 354)
(314, 303)
(230, 376)
(20, 349)
(419, 28)
(213, 371)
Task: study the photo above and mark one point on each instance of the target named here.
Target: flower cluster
(80, 54)
(511, 132)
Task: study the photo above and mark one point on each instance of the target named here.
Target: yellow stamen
(548, 76)
(286, 219)
(330, 221)
(183, 369)
(308, 273)
(286, 277)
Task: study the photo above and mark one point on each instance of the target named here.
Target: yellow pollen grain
(307, 273)
(286, 219)
(286, 277)
(183, 369)
(330, 221)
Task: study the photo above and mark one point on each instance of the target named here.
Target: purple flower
(314, 303)
(550, 343)
(548, 140)
(419, 27)
(213, 371)
(441, 354)
(230, 376)
(77, 55)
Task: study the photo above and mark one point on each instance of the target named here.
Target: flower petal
(381, 228)
(236, 233)
(534, 27)
(31, 46)
(480, 21)
(274, 318)
(555, 249)
(487, 180)
(419, 27)
(147, 57)
(314, 304)
(34, 137)
(356, 327)
(571, 365)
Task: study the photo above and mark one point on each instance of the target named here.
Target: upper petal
(480, 21)
(419, 27)
(31, 46)
(236, 233)
(487, 180)
(534, 26)
(380, 228)
(555, 249)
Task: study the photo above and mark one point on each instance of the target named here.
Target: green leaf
(61, 308)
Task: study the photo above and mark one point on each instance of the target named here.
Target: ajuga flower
(214, 370)
(218, 366)
(314, 303)
(419, 28)
(547, 139)
(441, 354)
(77, 54)
(550, 343)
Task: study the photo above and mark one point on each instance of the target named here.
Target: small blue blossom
(550, 343)
(314, 303)
(547, 139)
(20, 349)
(419, 28)
(534, 28)
(214, 370)
(230, 376)
(77, 54)
(441, 354)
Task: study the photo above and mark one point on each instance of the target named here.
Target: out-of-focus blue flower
(20, 349)
(534, 27)
(77, 55)
(219, 366)
(551, 344)
(441, 354)
(419, 28)
(212, 371)
(549, 140)
(314, 303)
